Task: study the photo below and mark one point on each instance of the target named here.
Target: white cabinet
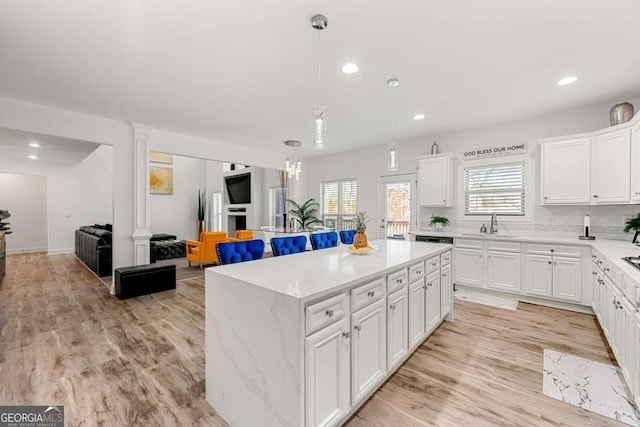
(635, 163)
(432, 301)
(608, 313)
(327, 369)
(397, 328)
(617, 331)
(469, 267)
(629, 348)
(559, 277)
(611, 167)
(368, 349)
(504, 271)
(435, 180)
(417, 300)
(595, 289)
(566, 172)
(446, 290)
(636, 374)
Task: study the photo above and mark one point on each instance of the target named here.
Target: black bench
(161, 237)
(144, 279)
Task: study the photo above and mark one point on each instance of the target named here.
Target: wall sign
(495, 151)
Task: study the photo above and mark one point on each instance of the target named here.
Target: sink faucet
(494, 224)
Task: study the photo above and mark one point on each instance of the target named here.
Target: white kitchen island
(305, 339)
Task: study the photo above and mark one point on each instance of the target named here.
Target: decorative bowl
(361, 251)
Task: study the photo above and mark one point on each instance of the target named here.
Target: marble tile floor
(490, 300)
(588, 384)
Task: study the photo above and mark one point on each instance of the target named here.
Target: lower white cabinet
(629, 350)
(554, 276)
(397, 328)
(432, 301)
(446, 290)
(417, 300)
(469, 267)
(608, 311)
(504, 271)
(539, 275)
(636, 359)
(327, 372)
(368, 349)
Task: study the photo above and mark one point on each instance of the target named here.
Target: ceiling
(245, 72)
(53, 151)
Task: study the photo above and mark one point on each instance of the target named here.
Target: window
(494, 189)
(276, 205)
(216, 212)
(339, 203)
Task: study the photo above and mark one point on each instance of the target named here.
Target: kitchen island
(305, 339)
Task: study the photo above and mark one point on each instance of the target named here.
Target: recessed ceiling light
(418, 117)
(567, 80)
(350, 69)
(34, 144)
(33, 157)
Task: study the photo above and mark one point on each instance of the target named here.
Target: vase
(201, 227)
(439, 226)
(621, 113)
(284, 222)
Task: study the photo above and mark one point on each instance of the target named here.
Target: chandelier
(293, 165)
(392, 155)
(319, 22)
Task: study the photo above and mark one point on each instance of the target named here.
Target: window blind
(494, 189)
(339, 203)
(330, 197)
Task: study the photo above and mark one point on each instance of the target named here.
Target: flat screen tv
(238, 188)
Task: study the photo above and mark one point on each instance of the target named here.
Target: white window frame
(340, 211)
(216, 211)
(273, 215)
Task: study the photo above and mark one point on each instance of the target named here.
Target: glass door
(397, 206)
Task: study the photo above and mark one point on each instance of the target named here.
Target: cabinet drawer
(399, 279)
(364, 295)
(468, 243)
(432, 264)
(560, 250)
(445, 258)
(503, 246)
(416, 271)
(326, 312)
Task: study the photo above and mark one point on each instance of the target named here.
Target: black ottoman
(168, 250)
(161, 237)
(144, 279)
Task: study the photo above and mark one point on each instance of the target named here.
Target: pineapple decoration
(360, 239)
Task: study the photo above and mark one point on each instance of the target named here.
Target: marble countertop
(313, 274)
(615, 250)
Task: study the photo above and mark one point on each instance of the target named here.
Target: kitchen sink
(502, 236)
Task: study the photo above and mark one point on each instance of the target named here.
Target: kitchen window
(494, 189)
(276, 207)
(338, 201)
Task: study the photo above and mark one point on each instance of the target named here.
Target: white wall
(25, 197)
(177, 213)
(367, 165)
(79, 195)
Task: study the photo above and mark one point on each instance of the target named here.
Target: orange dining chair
(244, 235)
(204, 251)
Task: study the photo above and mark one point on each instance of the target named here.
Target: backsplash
(607, 222)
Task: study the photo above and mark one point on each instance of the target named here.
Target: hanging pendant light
(392, 155)
(319, 22)
(293, 164)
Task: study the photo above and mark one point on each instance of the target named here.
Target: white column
(141, 215)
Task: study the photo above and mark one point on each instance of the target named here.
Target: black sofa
(93, 247)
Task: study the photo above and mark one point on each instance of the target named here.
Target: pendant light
(293, 165)
(392, 155)
(319, 22)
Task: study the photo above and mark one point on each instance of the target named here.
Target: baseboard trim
(531, 300)
(60, 251)
(26, 251)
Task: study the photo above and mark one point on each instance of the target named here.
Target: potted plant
(202, 212)
(633, 224)
(305, 213)
(439, 221)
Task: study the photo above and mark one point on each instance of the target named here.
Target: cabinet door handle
(606, 269)
(418, 271)
(546, 198)
(549, 262)
(357, 327)
(400, 281)
(371, 294)
(424, 286)
(329, 313)
(392, 306)
(444, 274)
(595, 196)
(551, 250)
(346, 335)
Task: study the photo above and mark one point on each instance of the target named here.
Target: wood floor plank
(65, 340)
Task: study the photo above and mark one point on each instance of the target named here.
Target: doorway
(396, 206)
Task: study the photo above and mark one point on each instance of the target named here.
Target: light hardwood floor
(65, 340)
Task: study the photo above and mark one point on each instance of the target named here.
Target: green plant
(439, 220)
(632, 224)
(202, 204)
(305, 213)
(361, 221)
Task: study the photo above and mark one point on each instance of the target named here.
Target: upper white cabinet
(611, 167)
(435, 180)
(566, 172)
(598, 168)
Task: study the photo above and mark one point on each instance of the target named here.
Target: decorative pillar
(141, 215)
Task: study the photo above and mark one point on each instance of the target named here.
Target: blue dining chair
(288, 245)
(240, 251)
(324, 240)
(346, 236)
